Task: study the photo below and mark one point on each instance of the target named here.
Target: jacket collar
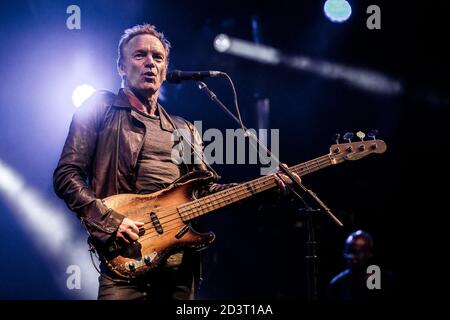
(121, 101)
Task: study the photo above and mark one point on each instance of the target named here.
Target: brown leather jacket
(99, 158)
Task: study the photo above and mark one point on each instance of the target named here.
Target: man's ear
(165, 73)
(121, 69)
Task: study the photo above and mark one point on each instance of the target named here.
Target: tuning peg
(372, 134)
(349, 136)
(361, 135)
(336, 137)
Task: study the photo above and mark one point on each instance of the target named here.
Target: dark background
(396, 196)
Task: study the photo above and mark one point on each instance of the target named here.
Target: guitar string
(176, 225)
(256, 185)
(169, 207)
(262, 185)
(242, 190)
(232, 195)
(318, 162)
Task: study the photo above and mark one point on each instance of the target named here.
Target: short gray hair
(146, 28)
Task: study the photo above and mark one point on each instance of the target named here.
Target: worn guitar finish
(167, 213)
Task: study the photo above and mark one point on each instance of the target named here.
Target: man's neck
(146, 104)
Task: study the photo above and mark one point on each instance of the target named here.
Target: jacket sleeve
(70, 178)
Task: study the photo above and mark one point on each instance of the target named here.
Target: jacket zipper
(117, 151)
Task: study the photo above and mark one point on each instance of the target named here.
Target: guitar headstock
(356, 150)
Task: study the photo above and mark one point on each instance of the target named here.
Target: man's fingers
(280, 182)
(297, 176)
(283, 181)
(127, 235)
(132, 235)
(129, 230)
(281, 185)
(289, 180)
(134, 225)
(133, 228)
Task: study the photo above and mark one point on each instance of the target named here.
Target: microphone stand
(311, 256)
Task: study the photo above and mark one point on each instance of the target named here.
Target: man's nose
(149, 62)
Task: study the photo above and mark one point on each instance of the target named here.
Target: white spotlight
(337, 10)
(222, 42)
(364, 79)
(81, 93)
(51, 232)
(247, 49)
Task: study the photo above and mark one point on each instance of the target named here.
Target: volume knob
(131, 266)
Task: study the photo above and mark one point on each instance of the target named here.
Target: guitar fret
(214, 202)
(318, 164)
(223, 198)
(210, 204)
(241, 192)
(306, 165)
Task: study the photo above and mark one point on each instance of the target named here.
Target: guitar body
(164, 231)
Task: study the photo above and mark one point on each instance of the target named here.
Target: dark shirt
(352, 286)
(155, 169)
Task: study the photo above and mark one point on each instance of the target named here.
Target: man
(123, 144)
(351, 284)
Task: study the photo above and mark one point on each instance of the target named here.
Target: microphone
(177, 76)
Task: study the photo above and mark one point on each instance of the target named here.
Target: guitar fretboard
(246, 190)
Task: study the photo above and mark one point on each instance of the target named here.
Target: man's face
(359, 253)
(144, 64)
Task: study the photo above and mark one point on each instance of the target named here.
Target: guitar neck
(246, 190)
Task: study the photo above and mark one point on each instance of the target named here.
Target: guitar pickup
(154, 219)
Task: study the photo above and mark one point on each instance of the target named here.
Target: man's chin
(147, 90)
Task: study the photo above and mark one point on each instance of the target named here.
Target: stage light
(362, 78)
(222, 42)
(250, 50)
(337, 10)
(50, 231)
(81, 93)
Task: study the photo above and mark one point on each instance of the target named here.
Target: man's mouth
(149, 76)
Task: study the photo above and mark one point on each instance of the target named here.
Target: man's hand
(129, 230)
(283, 189)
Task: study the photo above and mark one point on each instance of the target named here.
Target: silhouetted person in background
(364, 279)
